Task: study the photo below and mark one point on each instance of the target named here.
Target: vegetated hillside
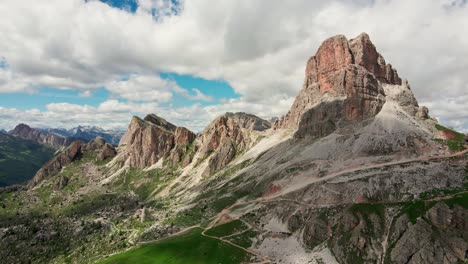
(20, 159)
(356, 172)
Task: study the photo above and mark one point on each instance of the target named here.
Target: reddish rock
(333, 55)
(366, 55)
(183, 136)
(153, 138)
(146, 142)
(342, 85)
(227, 136)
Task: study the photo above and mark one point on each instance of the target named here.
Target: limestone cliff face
(153, 138)
(227, 136)
(26, 132)
(343, 84)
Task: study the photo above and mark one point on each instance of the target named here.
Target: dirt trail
(376, 166)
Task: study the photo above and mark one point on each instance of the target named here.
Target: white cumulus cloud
(259, 47)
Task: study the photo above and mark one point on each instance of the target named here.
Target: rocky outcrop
(423, 112)
(366, 55)
(227, 136)
(343, 84)
(403, 95)
(183, 150)
(26, 132)
(94, 145)
(107, 151)
(61, 183)
(55, 165)
(150, 139)
(102, 149)
(438, 237)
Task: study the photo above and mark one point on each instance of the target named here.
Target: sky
(65, 63)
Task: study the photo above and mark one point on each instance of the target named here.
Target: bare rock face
(439, 238)
(227, 136)
(94, 145)
(343, 81)
(101, 148)
(366, 55)
(55, 165)
(183, 150)
(404, 96)
(363, 99)
(107, 151)
(153, 138)
(423, 112)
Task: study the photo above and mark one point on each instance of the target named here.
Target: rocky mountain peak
(343, 84)
(153, 138)
(248, 121)
(227, 136)
(366, 55)
(159, 121)
(26, 132)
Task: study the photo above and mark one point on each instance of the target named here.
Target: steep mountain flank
(20, 159)
(73, 152)
(54, 166)
(26, 132)
(228, 136)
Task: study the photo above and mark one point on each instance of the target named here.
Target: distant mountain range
(24, 149)
(86, 132)
(60, 137)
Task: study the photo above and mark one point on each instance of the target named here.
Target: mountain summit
(349, 70)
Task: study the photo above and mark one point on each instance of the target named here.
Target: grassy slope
(456, 143)
(189, 248)
(20, 159)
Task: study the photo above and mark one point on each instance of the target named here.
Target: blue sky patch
(127, 5)
(217, 89)
(46, 96)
